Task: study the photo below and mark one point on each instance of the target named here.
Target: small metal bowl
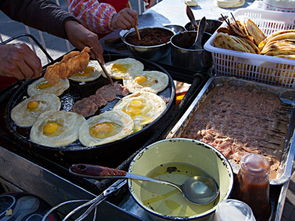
(191, 59)
(175, 28)
(150, 52)
(211, 25)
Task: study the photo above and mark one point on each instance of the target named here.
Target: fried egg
(56, 128)
(26, 112)
(150, 81)
(142, 107)
(105, 128)
(121, 68)
(41, 86)
(91, 73)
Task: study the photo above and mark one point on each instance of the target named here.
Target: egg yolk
(52, 129)
(44, 85)
(121, 68)
(135, 107)
(87, 72)
(144, 81)
(32, 105)
(105, 129)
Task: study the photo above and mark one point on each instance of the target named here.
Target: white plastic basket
(262, 68)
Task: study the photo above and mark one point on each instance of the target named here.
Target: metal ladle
(198, 189)
(199, 28)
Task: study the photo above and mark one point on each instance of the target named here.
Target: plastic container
(233, 210)
(280, 5)
(261, 68)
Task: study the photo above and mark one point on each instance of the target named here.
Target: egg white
(152, 107)
(156, 81)
(57, 89)
(133, 65)
(25, 117)
(70, 123)
(93, 74)
(123, 120)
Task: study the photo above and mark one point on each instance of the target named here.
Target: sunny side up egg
(56, 128)
(41, 86)
(26, 112)
(121, 68)
(142, 107)
(105, 128)
(150, 81)
(91, 73)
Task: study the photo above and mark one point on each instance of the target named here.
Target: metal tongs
(92, 204)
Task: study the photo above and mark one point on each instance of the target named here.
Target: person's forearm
(44, 15)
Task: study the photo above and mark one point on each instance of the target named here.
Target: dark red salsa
(149, 37)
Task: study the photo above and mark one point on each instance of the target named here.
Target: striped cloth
(96, 15)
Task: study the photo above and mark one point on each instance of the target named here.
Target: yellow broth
(167, 200)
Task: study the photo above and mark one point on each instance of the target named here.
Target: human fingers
(96, 48)
(127, 19)
(81, 37)
(32, 66)
(11, 70)
(25, 70)
(12, 59)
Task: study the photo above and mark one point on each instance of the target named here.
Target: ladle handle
(201, 30)
(191, 17)
(96, 171)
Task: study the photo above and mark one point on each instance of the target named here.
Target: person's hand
(150, 3)
(124, 19)
(19, 61)
(81, 37)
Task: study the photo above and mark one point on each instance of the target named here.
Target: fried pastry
(72, 63)
(226, 41)
(262, 44)
(254, 31)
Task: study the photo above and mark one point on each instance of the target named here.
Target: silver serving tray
(286, 95)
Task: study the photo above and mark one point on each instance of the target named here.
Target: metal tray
(287, 96)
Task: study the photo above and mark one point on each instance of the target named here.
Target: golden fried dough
(254, 31)
(72, 63)
(226, 41)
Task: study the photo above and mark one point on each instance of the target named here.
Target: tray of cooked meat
(238, 117)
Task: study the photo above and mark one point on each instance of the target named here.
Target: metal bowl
(211, 25)
(182, 156)
(191, 59)
(150, 52)
(175, 28)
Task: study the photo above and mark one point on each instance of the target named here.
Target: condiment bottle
(253, 185)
